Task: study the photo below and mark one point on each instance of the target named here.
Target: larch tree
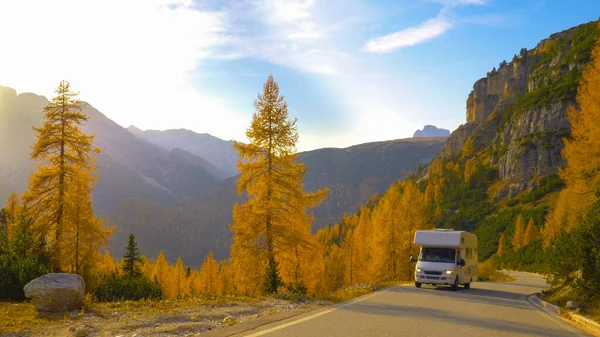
(531, 232)
(582, 148)
(161, 272)
(519, 235)
(501, 245)
(209, 275)
(84, 234)
(468, 148)
(61, 147)
(469, 169)
(272, 179)
(13, 211)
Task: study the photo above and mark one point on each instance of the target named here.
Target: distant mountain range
(129, 166)
(197, 225)
(431, 131)
(218, 152)
(175, 189)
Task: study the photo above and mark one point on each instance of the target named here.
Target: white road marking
(279, 327)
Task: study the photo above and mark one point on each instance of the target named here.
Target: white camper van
(447, 257)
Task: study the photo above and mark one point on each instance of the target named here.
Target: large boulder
(57, 292)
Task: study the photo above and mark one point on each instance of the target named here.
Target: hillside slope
(219, 153)
(195, 226)
(129, 167)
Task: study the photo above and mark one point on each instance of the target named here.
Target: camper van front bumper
(435, 279)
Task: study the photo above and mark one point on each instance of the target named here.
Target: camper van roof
(438, 238)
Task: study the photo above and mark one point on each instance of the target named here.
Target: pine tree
(272, 180)
(61, 146)
(531, 233)
(501, 245)
(131, 259)
(519, 235)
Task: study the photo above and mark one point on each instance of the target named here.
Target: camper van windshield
(446, 255)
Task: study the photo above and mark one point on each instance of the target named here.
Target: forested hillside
(503, 174)
(195, 226)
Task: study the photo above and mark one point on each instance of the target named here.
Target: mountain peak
(431, 131)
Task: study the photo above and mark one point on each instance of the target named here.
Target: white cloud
(428, 30)
(408, 37)
(130, 59)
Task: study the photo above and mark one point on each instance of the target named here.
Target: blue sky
(352, 71)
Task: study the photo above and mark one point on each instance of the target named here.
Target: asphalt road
(487, 309)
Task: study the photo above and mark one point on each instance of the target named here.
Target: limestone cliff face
(517, 114)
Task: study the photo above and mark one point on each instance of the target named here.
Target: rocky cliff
(517, 115)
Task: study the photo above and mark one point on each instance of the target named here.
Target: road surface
(487, 309)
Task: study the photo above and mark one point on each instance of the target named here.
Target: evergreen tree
(272, 180)
(132, 259)
(61, 146)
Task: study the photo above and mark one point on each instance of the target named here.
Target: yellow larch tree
(388, 229)
(84, 234)
(161, 272)
(209, 276)
(468, 148)
(501, 245)
(531, 233)
(556, 220)
(226, 277)
(519, 235)
(147, 267)
(582, 149)
(413, 217)
(61, 147)
(108, 265)
(272, 180)
(13, 210)
(178, 286)
(363, 238)
(469, 169)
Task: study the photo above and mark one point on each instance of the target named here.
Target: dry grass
(568, 291)
(486, 271)
(15, 317)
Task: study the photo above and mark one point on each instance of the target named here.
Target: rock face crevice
(516, 116)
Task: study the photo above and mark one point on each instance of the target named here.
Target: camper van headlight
(419, 270)
(449, 272)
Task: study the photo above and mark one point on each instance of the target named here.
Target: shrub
(115, 287)
(485, 271)
(16, 272)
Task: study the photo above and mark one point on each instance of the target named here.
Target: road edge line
(315, 315)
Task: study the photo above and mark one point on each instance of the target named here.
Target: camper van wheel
(468, 285)
(417, 284)
(455, 285)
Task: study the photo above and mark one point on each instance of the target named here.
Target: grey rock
(572, 305)
(56, 292)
